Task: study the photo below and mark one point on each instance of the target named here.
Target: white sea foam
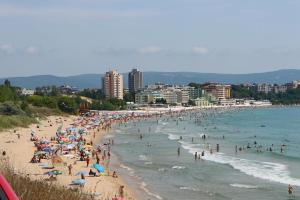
(117, 131)
(148, 163)
(173, 137)
(130, 170)
(124, 133)
(126, 167)
(178, 167)
(162, 169)
(158, 129)
(109, 136)
(143, 157)
(189, 188)
(143, 187)
(275, 172)
(244, 186)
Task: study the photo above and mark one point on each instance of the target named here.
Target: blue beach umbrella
(82, 172)
(72, 137)
(98, 167)
(47, 149)
(78, 182)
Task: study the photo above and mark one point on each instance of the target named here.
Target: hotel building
(112, 84)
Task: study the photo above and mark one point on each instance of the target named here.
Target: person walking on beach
(97, 159)
(70, 169)
(178, 151)
(87, 161)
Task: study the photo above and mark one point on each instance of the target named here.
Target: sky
(68, 37)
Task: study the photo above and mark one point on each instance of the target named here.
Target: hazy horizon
(70, 75)
(63, 37)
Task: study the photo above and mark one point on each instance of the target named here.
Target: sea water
(155, 170)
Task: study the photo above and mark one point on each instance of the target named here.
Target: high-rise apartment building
(112, 84)
(135, 80)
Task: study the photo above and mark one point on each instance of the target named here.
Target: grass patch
(27, 189)
(43, 111)
(11, 121)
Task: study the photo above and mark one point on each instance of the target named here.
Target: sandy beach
(20, 150)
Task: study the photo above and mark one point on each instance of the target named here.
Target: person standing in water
(178, 151)
(196, 156)
(290, 190)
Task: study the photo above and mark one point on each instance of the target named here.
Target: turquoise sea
(152, 166)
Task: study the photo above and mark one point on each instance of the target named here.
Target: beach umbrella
(78, 182)
(82, 131)
(54, 172)
(40, 152)
(33, 133)
(82, 173)
(47, 149)
(44, 141)
(72, 137)
(70, 146)
(98, 167)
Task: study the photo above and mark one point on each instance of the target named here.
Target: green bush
(15, 121)
(42, 101)
(7, 93)
(67, 104)
(10, 108)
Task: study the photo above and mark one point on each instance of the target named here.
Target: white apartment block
(113, 85)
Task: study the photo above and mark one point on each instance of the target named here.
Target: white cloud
(200, 50)
(32, 50)
(6, 48)
(8, 10)
(150, 50)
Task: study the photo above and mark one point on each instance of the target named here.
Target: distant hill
(94, 80)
